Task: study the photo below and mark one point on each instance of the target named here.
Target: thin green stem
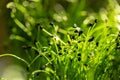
(3, 55)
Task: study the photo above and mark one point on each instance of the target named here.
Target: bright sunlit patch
(87, 20)
(25, 3)
(57, 38)
(72, 1)
(60, 17)
(2, 79)
(118, 27)
(118, 18)
(14, 72)
(103, 14)
(35, 0)
(57, 17)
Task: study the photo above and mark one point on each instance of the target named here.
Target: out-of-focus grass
(66, 42)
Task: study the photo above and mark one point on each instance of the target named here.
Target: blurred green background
(91, 5)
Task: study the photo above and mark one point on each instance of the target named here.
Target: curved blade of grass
(3, 55)
(35, 59)
(38, 57)
(53, 72)
(38, 71)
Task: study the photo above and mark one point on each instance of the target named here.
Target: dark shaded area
(4, 19)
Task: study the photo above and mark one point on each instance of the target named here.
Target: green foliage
(58, 42)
